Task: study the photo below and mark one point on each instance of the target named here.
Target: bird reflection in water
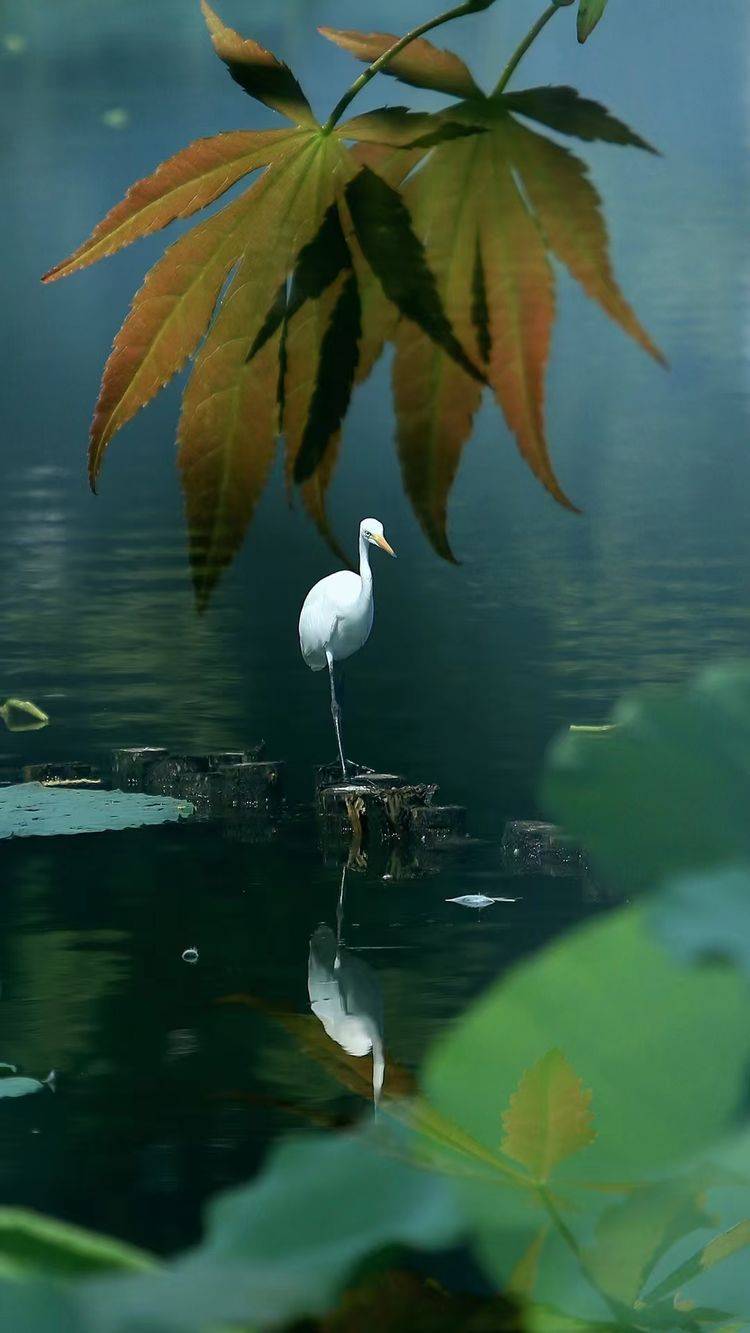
(345, 995)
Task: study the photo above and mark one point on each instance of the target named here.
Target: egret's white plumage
(337, 614)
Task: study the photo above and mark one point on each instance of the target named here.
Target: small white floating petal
(190, 956)
(478, 900)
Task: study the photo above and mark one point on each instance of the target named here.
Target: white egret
(336, 616)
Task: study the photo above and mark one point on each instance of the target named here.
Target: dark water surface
(163, 1095)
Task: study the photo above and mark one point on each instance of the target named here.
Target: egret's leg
(336, 713)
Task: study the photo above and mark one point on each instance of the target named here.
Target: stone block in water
(532, 847)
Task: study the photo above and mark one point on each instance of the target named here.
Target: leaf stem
(619, 1311)
(468, 7)
(528, 41)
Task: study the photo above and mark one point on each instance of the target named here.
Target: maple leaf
(286, 296)
(490, 210)
(304, 312)
(548, 1118)
(589, 14)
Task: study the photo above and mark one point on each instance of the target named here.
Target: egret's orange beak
(383, 544)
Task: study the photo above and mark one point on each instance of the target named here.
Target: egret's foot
(352, 770)
(330, 775)
(355, 770)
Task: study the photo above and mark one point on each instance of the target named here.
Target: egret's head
(372, 530)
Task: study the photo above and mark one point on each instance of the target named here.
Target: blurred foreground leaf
(33, 1244)
(548, 1118)
(635, 1026)
(667, 792)
(276, 1250)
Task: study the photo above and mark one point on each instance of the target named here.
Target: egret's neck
(365, 573)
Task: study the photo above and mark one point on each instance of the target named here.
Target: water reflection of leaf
(311, 1039)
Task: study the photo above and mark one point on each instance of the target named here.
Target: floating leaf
(420, 63)
(589, 14)
(563, 109)
(181, 186)
(549, 1116)
(19, 1085)
(257, 71)
(22, 715)
(32, 1244)
(30, 810)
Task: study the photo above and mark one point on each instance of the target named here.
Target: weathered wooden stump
(384, 807)
(434, 824)
(532, 847)
(227, 782)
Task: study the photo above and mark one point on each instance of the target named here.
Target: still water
(164, 1095)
